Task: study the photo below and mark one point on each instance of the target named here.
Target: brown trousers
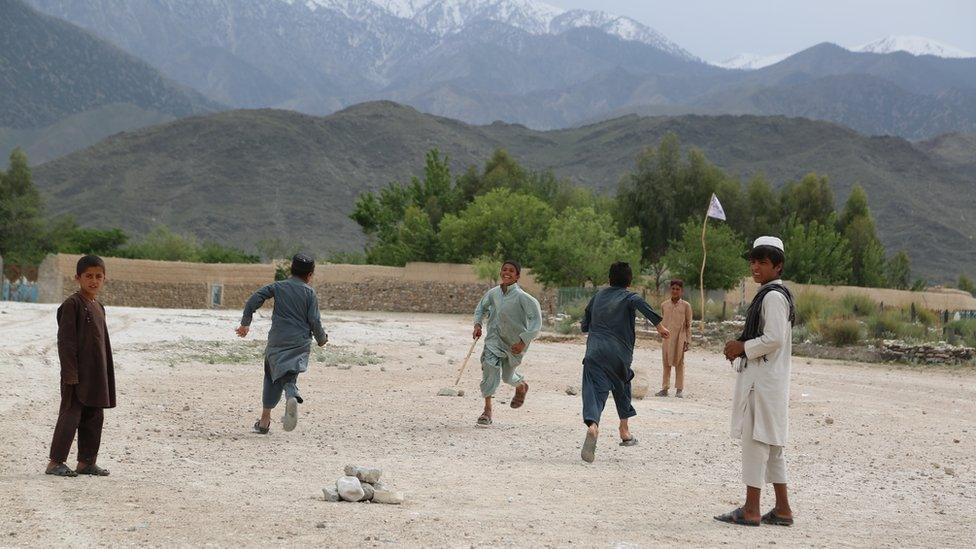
(75, 416)
(679, 376)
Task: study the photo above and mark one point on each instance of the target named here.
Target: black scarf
(754, 314)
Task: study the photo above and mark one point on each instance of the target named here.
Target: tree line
(568, 234)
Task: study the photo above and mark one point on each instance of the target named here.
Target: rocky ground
(880, 456)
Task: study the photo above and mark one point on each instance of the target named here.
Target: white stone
(572, 390)
(447, 392)
(350, 489)
(388, 496)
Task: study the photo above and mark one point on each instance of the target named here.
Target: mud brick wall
(407, 296)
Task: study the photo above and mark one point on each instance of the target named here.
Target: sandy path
(185, 470)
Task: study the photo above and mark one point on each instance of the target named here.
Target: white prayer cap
(769, 241)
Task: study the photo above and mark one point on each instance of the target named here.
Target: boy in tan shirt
(677, 319)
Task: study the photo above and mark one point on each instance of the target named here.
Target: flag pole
(701, 275)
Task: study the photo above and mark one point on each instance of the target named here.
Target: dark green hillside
(241, 176)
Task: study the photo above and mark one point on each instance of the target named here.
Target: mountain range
(519, 61)
(914, 45)
(240, 176)
(62, 88)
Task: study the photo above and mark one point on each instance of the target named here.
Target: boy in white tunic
(514, 320)
(760, 405)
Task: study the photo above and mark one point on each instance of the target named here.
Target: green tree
(867, 253)
(966, 285)
(764, 208)
(65, 236)
(724, 265)
(818, 254)
(21, 222)
(580, 245)
(898, 271)
(810, 199)
(500, 222)
(665, 190)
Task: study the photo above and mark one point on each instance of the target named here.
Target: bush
(841, 332)
(926, 317)
(857, 306)
(896, 324)
(812, 307)
(962, 331)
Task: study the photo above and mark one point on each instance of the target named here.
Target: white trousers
(761, 463)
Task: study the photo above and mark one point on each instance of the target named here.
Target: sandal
(632, 441)
(772, 518)
(60, 470)
(735, 517)
(93, 470)
(261, 430)
(484, 420)
(589, 448)
(519, 397)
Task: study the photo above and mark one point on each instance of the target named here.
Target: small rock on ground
(331, 493)
(572, 390)
(389, 497)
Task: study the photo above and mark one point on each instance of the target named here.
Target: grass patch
(841, 332)
(857, 306)
(962, 332)
(812, 307)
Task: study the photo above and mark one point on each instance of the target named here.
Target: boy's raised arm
(254, 303)
(68, 342)
(645, 309)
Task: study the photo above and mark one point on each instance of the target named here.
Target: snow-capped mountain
(751, 61)
(915, 45)
(444, 17)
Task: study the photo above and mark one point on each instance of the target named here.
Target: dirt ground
(895, 465)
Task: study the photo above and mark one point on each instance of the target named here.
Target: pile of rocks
(362, 484)
(940, 353)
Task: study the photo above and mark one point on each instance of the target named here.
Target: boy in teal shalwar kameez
(514, 320)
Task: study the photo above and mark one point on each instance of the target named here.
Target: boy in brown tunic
(677, 319)
(87, 373)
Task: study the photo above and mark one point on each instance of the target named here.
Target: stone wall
(163, 284)
(428, 296)
(418, 287)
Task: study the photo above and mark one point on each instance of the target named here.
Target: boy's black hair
(621, 275)
(772, 253)
(513, 263)
(87, 262)
(677, 282)
(302, 265)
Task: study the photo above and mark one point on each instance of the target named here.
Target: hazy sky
(718, 29)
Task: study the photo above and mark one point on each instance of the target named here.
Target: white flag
(715, 208)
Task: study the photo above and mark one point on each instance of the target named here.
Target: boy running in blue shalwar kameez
(294, 322)
(514, 320)
(609, 323)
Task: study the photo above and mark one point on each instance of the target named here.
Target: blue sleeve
(587, 317)
(255, 302)
(638, 303)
